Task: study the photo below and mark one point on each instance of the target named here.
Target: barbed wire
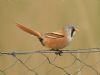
(52, 63)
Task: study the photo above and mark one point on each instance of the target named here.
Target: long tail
(28, 30)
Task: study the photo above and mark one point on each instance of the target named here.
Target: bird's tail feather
(28, 30)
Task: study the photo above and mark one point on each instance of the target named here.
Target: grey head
(70, 29)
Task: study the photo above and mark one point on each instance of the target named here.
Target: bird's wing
(54, 35)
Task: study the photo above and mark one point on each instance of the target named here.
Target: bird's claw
(59, 52)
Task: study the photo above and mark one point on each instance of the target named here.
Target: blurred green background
(48, 16)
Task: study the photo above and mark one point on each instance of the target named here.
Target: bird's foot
(58, 52)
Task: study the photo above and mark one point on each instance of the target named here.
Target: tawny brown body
(53, 40)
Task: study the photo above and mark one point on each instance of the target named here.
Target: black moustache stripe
(73, 29)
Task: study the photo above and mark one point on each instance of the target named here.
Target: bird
(54, 40)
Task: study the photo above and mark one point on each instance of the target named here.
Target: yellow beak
(77, 29)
